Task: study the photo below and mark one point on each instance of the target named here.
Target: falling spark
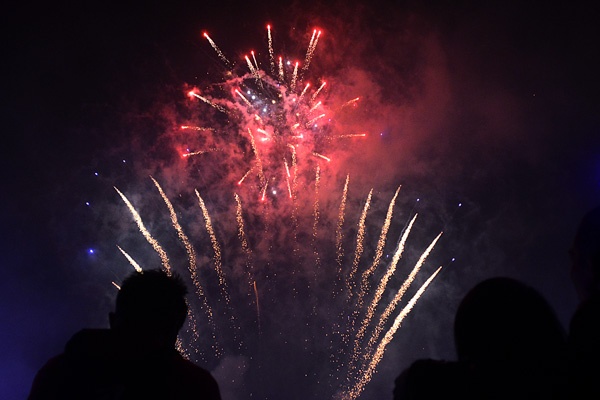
(364, 284)
(263, 132)
(254, 58)
(351, 135)
(360, 236)
(264, 193)
(261, 173)
(193, 327)
(134, 264)
(312, 121)
(241, 231)
(271, 54)
(287, 177)
(196, 128)
(378, 355)
(243, 98)
(281, 69)
(191, 253)
(219, 52)
(379, 293)
(294, 78)
(338, 231)
(216, 247)
(251, 67)
(244, 177)
(392, 306)
(316, 214)
(316, 93)
(294, 168)
(312, 39)
(138, 220)
(349, 102)
(244, 240)
(321, 156)
(217, 262)
(303, 92)
(379, 250)
(311, 49)
(207, 101)
(313, 108)
(257, 305)
(200, 152)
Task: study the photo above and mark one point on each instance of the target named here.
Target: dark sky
(492, 106)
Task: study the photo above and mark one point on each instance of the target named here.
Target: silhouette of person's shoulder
(584, 347)
(95, 366)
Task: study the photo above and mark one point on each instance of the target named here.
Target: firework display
(277, 248)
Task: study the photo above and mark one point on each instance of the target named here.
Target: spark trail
(392, 306)
(316, 215)
(379, 352)
(242, 236)
(192, 267)
(378, 251)
(138, 220)
(133, 263)
(216, 249)
(200, 152)
(339, 228)
(364, 284)
(219, 52)
(218, 266)
(257, 305)
(207, 101)
(377, 297)
(311, 49)
(271, 53)
(261, 173)
(360, 237)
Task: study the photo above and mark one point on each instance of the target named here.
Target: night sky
(494, 107)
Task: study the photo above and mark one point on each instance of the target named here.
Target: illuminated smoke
(283, 133)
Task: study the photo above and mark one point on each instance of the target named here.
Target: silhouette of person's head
(511, 341)
(585, 255)
(504, 320)
(150, 310)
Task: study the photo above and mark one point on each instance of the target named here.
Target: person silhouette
(509, 343)
(134, 359)
(584, 328)
(585, 256)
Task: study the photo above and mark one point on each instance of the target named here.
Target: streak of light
(379, 352)
(153, 242)
(133, 263)
(216, 48)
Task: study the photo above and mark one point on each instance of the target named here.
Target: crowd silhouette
(508, 340)
(510, 344)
